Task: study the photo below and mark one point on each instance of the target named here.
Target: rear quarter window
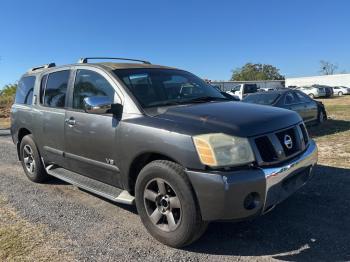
(25, 89)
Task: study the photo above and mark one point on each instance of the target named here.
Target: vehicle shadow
(331, 126)
(312, 225)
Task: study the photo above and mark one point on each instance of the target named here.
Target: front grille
(277, 147)
(288, 141)
(305, 134)
(266, 149)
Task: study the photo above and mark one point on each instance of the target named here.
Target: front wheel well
(138, 163)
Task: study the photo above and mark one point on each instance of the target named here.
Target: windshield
(262, 98)
(162, 87)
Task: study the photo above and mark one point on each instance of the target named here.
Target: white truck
(241, 90)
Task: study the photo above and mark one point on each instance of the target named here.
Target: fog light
(251, 201)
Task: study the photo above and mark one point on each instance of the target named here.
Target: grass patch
(23, 241)
(5, 123)
(333, 136)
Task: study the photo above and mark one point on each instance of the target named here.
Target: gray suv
(161, 138)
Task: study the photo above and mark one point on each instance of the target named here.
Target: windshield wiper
(207, 99)
(164, 103)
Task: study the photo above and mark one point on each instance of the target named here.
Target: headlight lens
(223, 150)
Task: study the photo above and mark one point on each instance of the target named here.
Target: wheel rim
(162, 205)
(321, 117)
(28, 159)
(340, 93)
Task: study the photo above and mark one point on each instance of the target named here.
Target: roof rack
(84, 60)
(42, 67)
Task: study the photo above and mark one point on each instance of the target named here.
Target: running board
(99, 188)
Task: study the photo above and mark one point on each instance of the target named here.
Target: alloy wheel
(321, 117)
(28, 159)
(162, 205)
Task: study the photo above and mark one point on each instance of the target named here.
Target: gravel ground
(312, 225)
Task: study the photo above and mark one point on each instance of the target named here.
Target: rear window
(56, 89)
(262, 98)
(25, 89)
(250, 88)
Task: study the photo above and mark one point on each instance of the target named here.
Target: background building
(329, 80)
(228, 85)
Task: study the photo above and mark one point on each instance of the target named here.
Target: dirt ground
(56, 221)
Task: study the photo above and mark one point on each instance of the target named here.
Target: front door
(91, 138)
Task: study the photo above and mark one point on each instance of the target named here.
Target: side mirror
(101, 105)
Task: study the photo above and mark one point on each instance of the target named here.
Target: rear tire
(31, 162)
(320, 118)
(176, 222)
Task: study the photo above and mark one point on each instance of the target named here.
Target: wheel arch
(139, 162)
(22, 132)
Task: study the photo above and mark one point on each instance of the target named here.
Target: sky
(208, 38)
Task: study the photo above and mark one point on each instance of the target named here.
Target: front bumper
(250, 192)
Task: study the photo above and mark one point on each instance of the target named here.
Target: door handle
(70, 121)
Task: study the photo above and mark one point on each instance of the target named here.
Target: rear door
(51, 109)
(291, 102)
(310, 106)
(91, 147)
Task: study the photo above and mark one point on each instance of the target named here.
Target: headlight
(223, 150)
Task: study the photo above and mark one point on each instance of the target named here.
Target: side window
(302, 97)
(24, 94)
(89, 83)
(56, 89)
(289, 99)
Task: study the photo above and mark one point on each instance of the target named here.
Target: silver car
(313, 91)
(341, 90)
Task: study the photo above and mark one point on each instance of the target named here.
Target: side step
(99, 188)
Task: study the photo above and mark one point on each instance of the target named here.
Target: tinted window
(24, 94)
(302, 97)
(289, 99)
(262, 98)
(250, 88)
(89, 83)
(56, 89)
(160, 87)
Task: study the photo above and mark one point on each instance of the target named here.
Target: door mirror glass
(98, 105)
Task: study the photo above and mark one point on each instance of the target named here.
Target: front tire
(30, 159)
(312, 96)
(167, 205)
(340, 93)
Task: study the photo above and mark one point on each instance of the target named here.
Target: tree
(327, 68)
(251, 72)
(8, 90)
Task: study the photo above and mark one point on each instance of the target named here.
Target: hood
(235, 118)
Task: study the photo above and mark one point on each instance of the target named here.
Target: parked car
(162, 138)
(225, 94)
(328, 90)
(241, 90)
(310, 110)
(341, 90)
(313, 91)
(265, 89)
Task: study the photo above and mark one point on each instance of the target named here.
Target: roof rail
(84, 60)
(42, 66)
